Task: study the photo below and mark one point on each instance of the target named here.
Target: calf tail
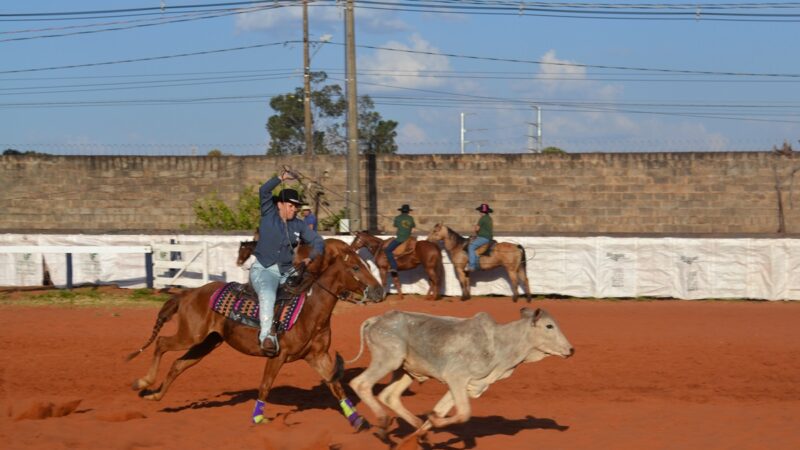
(364, 327)
(524, 265)
(168, 310)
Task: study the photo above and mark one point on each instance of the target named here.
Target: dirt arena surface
(646, 375)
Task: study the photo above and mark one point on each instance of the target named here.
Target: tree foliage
(212, 213)
(328, 109)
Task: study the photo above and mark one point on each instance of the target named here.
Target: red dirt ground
(646, 375)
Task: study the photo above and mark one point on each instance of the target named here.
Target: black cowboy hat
(291, 196)
(484, 208)
(405, 208)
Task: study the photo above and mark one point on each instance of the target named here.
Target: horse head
(246, 249)
(343, 273)
(439, 233)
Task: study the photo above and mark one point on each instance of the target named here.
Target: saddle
(239, 302)
(406, 247)
(483, 250)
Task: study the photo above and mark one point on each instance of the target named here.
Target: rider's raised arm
(265, 194)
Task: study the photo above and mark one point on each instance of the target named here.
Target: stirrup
(270, 345)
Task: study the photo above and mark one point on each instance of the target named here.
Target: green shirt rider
(405, 225)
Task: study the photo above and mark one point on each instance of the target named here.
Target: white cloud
(290, 18)
(399, 69)
(411, 133)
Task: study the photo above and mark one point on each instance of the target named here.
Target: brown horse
(246, 248)
(510, 256)
(336, 275)
(426, 253)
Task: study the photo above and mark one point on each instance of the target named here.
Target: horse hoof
(361, 424)
(514, 299)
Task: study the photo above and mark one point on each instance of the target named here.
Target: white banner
(684, 268)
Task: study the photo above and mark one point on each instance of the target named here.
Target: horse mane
(459, 239)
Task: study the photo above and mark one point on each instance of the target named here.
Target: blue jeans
(473, 258)
(390, 255)
(265, 282)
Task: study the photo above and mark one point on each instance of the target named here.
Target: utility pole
(463, 131)
(309, 127)
(535, 135)
(353, 197)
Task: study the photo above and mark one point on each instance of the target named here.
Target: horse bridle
(346, 295)
(373, 247)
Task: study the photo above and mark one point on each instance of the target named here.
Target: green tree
(375, 135)
(328, 107)
(552, 150)
(212, 213)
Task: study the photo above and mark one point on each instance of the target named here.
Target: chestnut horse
(336, 275)
(426, 253)
(510, 256)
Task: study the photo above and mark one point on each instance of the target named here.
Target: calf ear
(529, 314)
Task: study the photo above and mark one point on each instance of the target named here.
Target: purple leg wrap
(356, 421)
(258, 412)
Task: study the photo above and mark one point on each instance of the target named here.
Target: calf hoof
(151, 395)
(140, 384)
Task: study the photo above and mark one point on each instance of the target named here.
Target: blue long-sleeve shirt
(278, 239)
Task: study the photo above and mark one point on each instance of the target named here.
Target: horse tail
(524, 265)
(168, 310)
(364, 326)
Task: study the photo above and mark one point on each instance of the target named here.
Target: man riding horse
(280, 232)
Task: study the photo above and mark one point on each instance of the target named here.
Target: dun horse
(424, 252)
(338, 275)
(510, 256)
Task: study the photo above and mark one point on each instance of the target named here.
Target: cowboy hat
(305, 208)
(405, 208)
(484, 208)
(291, 196)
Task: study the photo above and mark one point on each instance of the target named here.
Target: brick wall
(641, 193)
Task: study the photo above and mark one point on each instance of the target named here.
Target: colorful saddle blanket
(238, 302)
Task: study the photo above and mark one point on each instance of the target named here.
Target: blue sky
(675, 85)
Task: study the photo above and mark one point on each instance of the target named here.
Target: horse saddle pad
(238, 302)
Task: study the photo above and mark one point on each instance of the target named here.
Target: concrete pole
(309, 126)
(353, 191)
(462, 133)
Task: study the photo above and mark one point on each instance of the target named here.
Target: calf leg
(384, 361)
(444, 405)
(190, 358)
(461, 402)
(390, 396)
